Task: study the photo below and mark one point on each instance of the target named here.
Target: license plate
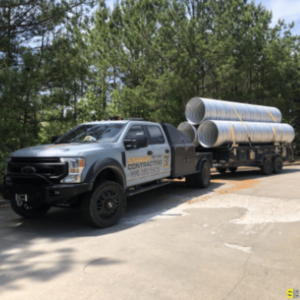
(21, 197)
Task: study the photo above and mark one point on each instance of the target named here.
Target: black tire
(277, 165)
(267, 167)
(202, 180)
(232, 170)
(190, 181)
(221, 170)
(104, 205)
(29, 212)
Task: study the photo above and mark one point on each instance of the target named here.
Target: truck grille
(28, 160)
(49, 167)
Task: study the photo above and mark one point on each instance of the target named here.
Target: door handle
(167, 151)
(150, 152)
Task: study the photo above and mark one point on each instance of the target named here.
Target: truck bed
(185, 159)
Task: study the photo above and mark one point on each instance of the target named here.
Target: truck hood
(60, 150)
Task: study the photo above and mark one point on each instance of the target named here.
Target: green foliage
(42, 70)
(166, 52)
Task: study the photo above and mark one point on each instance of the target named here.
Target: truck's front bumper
(46, 194)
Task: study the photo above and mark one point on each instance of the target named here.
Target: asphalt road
(239, 239)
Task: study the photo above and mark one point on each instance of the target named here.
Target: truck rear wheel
(26, 211)
(277, 164)
(221, 170)
(104, 205)
(267, 167)
(202, 180)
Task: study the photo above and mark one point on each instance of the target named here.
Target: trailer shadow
(60, 223)
(249, 173)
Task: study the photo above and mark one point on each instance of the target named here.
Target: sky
(288, 10)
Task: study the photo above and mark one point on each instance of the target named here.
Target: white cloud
(288, 10)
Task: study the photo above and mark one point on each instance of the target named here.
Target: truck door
(161, 150)
(140, 166)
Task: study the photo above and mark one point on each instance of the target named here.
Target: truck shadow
(42, 249)
(69, 222)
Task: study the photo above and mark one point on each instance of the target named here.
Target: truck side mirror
(138, 142)
(54, 139)
(129, 144)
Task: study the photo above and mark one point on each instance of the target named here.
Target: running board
(147, 188)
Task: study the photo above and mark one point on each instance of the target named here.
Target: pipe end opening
(208, 134)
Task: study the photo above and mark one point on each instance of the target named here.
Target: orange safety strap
(242, 123)
(275, 122)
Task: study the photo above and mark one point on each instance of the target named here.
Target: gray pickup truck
(97, 165)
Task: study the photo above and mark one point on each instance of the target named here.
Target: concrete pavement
(236, 240)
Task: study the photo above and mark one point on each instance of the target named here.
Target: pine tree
(34, 69)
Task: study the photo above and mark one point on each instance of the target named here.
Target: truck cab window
(156, 136)
(135, 131)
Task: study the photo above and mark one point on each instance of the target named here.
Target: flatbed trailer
(268, 157)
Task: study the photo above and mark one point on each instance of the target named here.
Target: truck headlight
(76, 166)
(7, 161)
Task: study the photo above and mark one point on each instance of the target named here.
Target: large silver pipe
(216, 133)
(201, 109)
(189, 130)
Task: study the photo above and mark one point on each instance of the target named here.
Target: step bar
(146, 188)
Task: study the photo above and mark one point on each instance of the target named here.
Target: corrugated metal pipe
(216, 133)
(189, 130)
(201, 109)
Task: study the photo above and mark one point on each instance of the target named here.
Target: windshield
(91, 133)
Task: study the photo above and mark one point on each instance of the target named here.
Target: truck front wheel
(104, 205)
(26, 211)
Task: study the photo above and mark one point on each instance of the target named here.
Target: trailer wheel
(277, 164)
(26, 211)
(190, 181)
(104, 205)
(232, 170)
(267, 167)
(221, 170)
(202, 180)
